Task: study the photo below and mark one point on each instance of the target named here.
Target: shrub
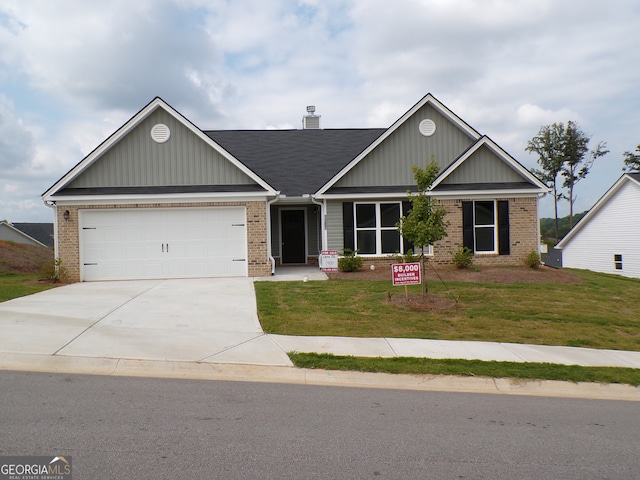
(349, 262)
(532, 260)
(53, 271)
(463, 258)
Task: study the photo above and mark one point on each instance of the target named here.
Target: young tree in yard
(424, 225)
(578, 160)
(548, 145)
(632, 161)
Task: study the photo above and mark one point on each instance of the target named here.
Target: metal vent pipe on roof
(311, 121)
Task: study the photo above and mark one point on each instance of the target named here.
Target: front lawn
(600, 312)
(14, 285)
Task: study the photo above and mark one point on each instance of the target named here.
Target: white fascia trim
(488, 194)
(456, 194)
(360, 196)
(426, 99)
(596, 207)
(504, 156)
(130, 125)
(173, 198)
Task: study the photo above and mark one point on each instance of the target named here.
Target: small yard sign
(406, 274)
(329, 260)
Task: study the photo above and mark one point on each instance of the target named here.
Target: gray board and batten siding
(390, 163)
(137, 160)
(483, 166)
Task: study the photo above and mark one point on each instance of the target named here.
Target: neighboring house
(607, 238)
(161, 198)
(38, 234)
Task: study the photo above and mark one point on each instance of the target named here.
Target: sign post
(406, 274)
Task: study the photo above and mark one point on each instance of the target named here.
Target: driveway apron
(203, 320)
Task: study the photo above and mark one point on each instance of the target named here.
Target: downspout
(55, 227)
(323, 229)
(269, 255)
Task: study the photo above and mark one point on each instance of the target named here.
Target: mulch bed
(504, 275)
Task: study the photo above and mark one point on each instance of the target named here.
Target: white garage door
(125, 244)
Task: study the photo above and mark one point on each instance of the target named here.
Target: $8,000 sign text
(406, 274)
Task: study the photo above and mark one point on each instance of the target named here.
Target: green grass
(14, 285)
(601, 312)
(475, 368)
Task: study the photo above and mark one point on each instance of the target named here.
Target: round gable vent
(160, 133)
(427, 127)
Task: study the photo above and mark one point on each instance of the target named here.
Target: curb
(299, 376)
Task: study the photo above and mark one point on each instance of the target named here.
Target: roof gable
(407, 146)
(130, 157)
(488, 164)
(632, 179)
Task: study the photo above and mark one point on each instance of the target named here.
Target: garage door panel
(162, 243)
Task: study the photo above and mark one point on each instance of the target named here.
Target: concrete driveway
(197, 320)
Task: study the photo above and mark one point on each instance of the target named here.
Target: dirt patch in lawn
(19, 258)
(504, 275)
(430, 303)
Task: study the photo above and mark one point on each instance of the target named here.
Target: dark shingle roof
(296, 162)
(42, 232)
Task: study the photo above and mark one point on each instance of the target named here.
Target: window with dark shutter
(467, 226)
(347, 226)
(504, 244)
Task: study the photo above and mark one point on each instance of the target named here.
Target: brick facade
(523, 235)
(258, 263)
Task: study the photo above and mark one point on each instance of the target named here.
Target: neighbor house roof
(295, 162)
(41, 233)
(627, 177)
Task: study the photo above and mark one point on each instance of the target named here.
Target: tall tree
(424, 224)
(548, 145)
(578, 160)
(632, 161)
(563, 151)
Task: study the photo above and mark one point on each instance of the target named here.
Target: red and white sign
(329, 260)
(406, 274)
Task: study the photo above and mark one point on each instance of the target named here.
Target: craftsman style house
(161, 198)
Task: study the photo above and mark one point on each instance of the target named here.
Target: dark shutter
(406, 244)
(467, 225)
(347, 226)
(504, 244)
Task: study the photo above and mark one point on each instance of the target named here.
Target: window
(485, 226)
(375, 228)
(617, 261)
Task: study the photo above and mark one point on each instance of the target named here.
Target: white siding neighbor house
(607, 239)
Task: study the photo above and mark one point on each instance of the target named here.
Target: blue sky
(72, 72)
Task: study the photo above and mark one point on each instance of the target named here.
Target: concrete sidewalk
(208, 328)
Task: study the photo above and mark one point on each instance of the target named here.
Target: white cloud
(73, 71)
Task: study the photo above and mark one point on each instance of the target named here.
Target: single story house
(35, 234)
(607, 238)
(161, 198)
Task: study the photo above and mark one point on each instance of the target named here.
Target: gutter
(269, 255)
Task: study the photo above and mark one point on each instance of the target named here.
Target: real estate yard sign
(406, 274)
(329, 260)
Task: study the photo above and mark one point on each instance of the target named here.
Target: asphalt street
(121, 427)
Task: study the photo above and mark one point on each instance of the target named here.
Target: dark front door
(293, 236)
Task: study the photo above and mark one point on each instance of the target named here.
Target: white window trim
(379, 229)
(494, 226)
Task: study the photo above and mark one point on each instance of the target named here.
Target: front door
(293, 237)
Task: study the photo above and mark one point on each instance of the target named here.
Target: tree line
(565, 158)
